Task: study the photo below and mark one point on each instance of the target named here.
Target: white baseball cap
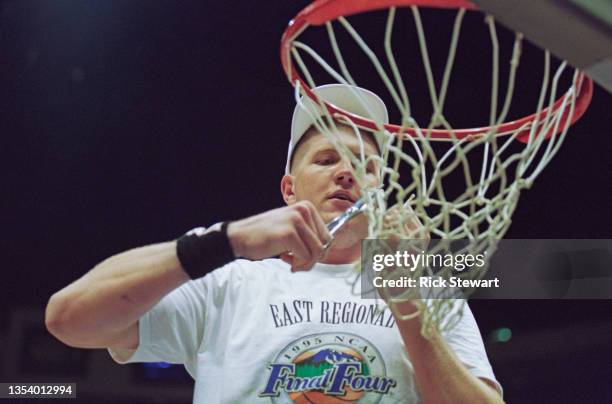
(355, 100)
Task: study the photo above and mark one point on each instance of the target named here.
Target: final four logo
(328, 368)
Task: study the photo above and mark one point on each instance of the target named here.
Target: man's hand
(401, 222)
(296, 233)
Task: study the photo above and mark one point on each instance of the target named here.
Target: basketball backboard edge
(579, 31)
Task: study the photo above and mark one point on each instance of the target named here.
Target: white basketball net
(494, 167)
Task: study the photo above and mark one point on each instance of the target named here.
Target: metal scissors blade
(335, 225)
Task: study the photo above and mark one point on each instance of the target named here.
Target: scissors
(335, 225)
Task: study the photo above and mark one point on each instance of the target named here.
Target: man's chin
(339, 204)
(333, 209)
(353, 231)
(331, 214)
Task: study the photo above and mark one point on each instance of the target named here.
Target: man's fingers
(319, 226)
(297, 230)
(297, 247)
(312, 232)
(295, 264)
(311, 241)
(314, 221)
(287, 257)
(404, 217)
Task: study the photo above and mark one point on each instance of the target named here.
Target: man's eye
(325, 161)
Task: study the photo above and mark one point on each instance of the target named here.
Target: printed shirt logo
(328, 368)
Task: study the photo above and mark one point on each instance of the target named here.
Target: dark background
(129, 122)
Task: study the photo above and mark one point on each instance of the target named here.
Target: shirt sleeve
(173, 329)
(466, 342)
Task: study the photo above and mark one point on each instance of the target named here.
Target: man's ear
(287, 189)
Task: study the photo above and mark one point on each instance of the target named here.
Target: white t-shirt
(253, 331)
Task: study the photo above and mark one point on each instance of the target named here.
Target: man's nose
(344, 177)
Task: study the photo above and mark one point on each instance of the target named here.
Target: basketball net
(421, 165)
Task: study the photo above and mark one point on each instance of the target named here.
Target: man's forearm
(114, 295)
(440, 376)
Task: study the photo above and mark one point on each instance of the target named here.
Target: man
(262, 329)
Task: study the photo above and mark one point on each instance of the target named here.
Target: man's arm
(440, 376)
(102, 308)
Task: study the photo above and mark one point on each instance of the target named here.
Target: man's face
(321, 176)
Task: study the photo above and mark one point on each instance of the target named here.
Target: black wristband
(202, 254)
